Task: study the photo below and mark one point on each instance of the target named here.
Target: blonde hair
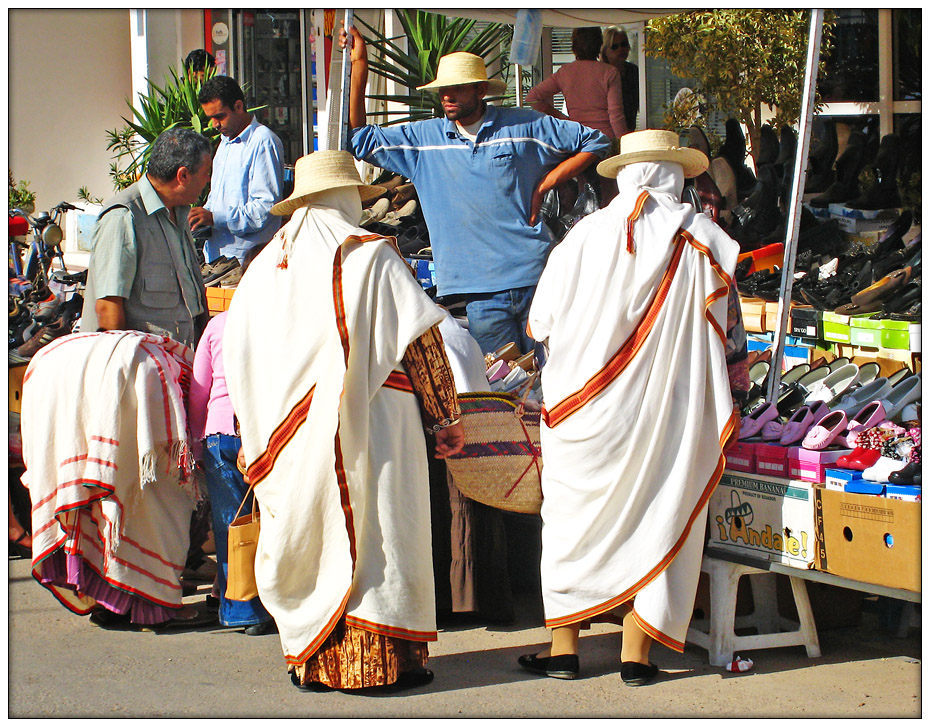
(609, 34)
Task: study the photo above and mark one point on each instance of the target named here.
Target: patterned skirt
(352, 658)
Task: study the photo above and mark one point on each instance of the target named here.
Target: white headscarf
(330, 217)
(664, 181)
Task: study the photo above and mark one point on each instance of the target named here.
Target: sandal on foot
(200, 618)
(564, 666)
(17, 548)
(418, 677)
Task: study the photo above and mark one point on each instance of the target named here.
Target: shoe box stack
(220, 276)
(836, 457)
(397, 214)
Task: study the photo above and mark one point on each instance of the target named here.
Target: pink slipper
(752, 424)
(825, 431)
(772, 430)
(499, 369)
(801, 422)
(871, 415)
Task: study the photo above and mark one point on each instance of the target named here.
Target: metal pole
(346, 80)
(794, 213)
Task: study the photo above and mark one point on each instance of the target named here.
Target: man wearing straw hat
(329, 400)
(481, 174)
(641, 402)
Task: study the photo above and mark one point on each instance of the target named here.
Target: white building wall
(70, 74)
(69, 78)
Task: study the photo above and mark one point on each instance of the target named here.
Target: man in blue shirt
(248, 176)
(481, 174)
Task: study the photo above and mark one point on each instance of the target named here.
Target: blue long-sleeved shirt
(476, 197)
(248, 178)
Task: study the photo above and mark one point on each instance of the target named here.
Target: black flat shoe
(262, 629)
(109, 620)
(418, 677)
(635, 674)
(564, 666)
(309, 686)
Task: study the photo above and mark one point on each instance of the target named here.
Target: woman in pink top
(212, 421)
(593, 91)
(593, 94)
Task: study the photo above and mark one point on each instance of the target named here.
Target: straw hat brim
(693, 162)
(287, 206)
(496, 87)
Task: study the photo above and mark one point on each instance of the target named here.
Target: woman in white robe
(633, 304)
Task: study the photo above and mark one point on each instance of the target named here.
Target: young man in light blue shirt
(248, 176)
(481, 174)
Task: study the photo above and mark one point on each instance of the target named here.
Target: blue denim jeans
(227, 488)
(495, 319)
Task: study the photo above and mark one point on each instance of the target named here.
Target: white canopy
(563, 17)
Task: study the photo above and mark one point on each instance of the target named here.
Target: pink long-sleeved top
(210, 410)
(593, 94)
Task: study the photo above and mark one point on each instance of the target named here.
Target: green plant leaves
(429, 37)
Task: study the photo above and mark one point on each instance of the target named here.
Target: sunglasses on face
(622, 44)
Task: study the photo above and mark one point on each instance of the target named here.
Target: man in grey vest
(143, 273)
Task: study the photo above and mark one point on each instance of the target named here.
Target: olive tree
(741, 60)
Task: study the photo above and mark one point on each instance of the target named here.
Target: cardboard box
(837, 478)
(835, 327)
(806, 322)
(865, 487)
(910, 493)
(771, 518)
(17, 374)
(868, 539)
(753, 310)
(772, 459)
(742, 457)
(864, 331)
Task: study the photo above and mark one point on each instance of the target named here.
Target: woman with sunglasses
(615, 50)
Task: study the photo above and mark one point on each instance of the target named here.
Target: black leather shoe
(418, 677)
(564, 666)
(262, 629)
(635, 674)
(309, 686)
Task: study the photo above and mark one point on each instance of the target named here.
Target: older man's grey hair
(174, 149)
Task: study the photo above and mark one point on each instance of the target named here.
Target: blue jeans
(496, 319)
(227, 488)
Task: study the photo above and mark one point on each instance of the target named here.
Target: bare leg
(17, 533)
(565, 640)
(636, 643)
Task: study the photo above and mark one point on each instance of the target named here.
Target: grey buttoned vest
(156, 302)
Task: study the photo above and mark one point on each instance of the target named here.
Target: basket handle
(527, 387)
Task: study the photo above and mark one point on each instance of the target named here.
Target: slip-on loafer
(837, 362)
(752, 424)
(795, 373)
(825, 431)
(871, 415)
(800, 423)
(858, 397)
(883, 288)
(635, 674)
(899, 375)
(507, 352)
(859, 459)
(564, 666)
(901, 395)
(772, 430)
(832, 388)
(758, 371)
(498, 370)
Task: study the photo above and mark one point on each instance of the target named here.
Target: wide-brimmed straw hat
(319, 172)
(460, 69)
(653, 145)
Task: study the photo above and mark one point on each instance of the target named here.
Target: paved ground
(62, 666)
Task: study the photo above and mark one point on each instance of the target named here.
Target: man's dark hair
(586, 43)
(174, 149)
(198, 60)
(223, 88)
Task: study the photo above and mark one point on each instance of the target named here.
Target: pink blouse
(593, 94)
(210, 410)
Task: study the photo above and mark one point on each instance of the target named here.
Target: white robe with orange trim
(331, 430)
(637, 404)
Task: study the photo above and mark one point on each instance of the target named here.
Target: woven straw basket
(501, 463)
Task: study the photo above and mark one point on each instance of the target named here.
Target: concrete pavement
(61, 666)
